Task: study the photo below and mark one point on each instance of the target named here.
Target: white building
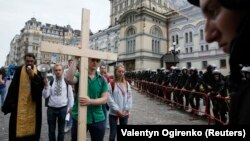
(186, 32)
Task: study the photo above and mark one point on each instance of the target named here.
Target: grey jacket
(118, 101)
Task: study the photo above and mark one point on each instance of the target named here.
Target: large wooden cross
(84, 52)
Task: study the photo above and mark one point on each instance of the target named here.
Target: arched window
(177, 39)
(153, 45)
(130, 41)
(201, 34)
(186, 37)
(130, 32)
(156, 33)
(130, 19)
(190, 37)
(133, 49)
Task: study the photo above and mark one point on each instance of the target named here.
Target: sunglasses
(95, 60)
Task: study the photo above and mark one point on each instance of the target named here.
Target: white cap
(183, 68)
(213, 65)
(216, 71)
(246, 69)
(166, 70)
(192, 68)
(173, 67)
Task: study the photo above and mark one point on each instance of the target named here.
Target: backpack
(50, 83)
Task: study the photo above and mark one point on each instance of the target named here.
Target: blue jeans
(96, 130)
(2, 96)
(105, 111)
(69, 122)
(113, 122)
(53, 115)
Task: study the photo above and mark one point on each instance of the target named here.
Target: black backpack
(50, 83)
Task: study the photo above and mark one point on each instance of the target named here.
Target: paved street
(145, 111)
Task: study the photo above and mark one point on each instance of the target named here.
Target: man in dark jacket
(217, 94)
(227, 22)
(24, 102)
(183, 78)
(207, 81)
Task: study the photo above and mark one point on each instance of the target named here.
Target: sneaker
(66, 129)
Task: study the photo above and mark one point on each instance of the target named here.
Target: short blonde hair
(56, 65)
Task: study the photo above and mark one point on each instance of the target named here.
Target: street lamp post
(174, 50)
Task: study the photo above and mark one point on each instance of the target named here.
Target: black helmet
(209, 68)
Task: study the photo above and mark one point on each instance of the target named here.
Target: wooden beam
(75, 51)
(83, 84)
(61, 49)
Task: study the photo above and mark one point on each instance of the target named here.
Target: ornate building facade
(186, 34)
(30, 39)
(138, 33)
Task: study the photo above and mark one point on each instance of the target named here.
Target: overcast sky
(14, 14)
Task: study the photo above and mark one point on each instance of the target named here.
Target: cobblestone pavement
(145, 111)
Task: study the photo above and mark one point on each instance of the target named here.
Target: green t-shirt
(96, 87)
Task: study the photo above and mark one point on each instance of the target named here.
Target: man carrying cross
(97, 96)
(86, 74)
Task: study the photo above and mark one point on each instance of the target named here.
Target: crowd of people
(61, 94)
(186, 87)
(227, 22)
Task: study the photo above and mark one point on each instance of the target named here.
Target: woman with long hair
(119, 101)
